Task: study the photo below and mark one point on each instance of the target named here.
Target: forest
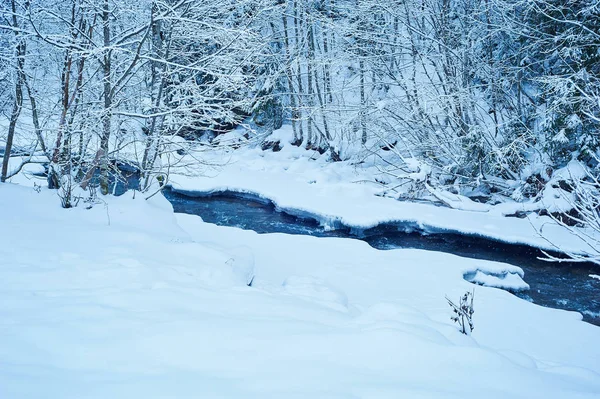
(479, 96)
(299, 199)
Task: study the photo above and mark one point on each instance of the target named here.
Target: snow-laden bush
(67, 192)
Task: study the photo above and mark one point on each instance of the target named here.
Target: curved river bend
(558, 285)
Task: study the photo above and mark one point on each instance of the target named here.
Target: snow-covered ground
(128, 300)
(345, 193)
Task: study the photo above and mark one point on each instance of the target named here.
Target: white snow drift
(127, 300)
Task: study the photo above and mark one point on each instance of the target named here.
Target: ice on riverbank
(340, 193)
(507, 281)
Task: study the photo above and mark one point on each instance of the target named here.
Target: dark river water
(563, 285)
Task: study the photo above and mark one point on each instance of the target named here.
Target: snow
(128, 300)
(341, 193)
(508, 281)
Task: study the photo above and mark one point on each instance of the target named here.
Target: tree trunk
(288, 71)
(18, 101)
(310, 142)
(106, 117)
(299, 74)
(36, 118)
(311, 46)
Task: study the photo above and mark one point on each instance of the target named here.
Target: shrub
(463, 312)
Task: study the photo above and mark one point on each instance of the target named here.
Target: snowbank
(507, 281)
(344, 194)
(128, 300)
